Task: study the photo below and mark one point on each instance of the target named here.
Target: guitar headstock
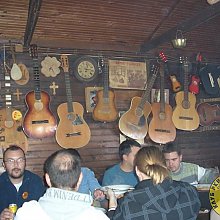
(33, 51)
(65, 63)
(163, 57)
(155, 69)
(181, 59)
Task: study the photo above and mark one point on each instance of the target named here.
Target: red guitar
(208, 114)
(39, 122)
(195, 80)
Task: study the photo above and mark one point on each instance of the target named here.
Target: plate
(203, 187)
(118, 189)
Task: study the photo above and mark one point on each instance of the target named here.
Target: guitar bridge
(73, 134)
(186, 118)
(40, 122)
(162, 130)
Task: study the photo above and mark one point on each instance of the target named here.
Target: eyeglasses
(13, 161)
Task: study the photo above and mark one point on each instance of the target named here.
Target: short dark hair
(125, 147)
(12, 147)
(171, 147)
(63, 168)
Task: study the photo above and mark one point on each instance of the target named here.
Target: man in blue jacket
(17, 185)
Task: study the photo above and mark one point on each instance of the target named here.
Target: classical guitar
(185, 116)
(39, 121)
(105, 109)
(195, 80)
(208, 114)
(133, 123)
(175, 83)
(161, 127)
(72, 130)
(11, 131)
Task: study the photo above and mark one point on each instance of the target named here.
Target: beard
(16, 173)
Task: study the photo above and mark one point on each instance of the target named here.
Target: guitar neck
(105, 82)
(186, 81)
(37, 89)
(162, 94)
(210, 100)
(68, 93)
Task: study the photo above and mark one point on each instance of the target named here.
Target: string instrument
(161, 127)
(39, 121)
(105, 109)
(195, 80)
(72, 130)
(208, 114)
(185, 116)
(11, 131)
(133, 123)
(176, 87)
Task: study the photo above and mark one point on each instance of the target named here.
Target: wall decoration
(127, 74)
(155, 95)
(53, 86)
(90, 94)
(50, 66)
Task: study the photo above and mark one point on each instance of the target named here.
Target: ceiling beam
(187, 25)
(33, 14)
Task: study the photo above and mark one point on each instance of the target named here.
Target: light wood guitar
(11, 131)
(105, 109)
(185, 116)
(39, 121)
(133, 123)
(72, 130)
(161, 127)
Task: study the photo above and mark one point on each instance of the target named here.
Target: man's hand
(6, 214)
(99, 194)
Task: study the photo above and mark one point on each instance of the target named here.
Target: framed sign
(90, 97)
(127, 74)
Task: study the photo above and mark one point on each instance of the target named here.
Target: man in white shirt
(61, 201)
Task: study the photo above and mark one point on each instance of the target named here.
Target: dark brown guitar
(39, 122)
(133, 123)
(208, 114)
(161, 127)
(72, 130)
(105, 109)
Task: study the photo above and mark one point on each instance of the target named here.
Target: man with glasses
(17, 185)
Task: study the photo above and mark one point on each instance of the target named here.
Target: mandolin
(208, 114)
(185, 116)
(72, 130)
(133, 123)
(105, 109)
(161, 127)
(11, 131)
(39, 121)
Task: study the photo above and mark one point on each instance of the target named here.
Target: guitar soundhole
(162, 115)
(71, 117)
(186, 104)
(139, 112)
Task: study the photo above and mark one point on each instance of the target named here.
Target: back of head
(63, 168)
(151, 162)
(125, 147)
(171, 147)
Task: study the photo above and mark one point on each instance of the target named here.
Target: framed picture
(90, 96)
(155, 95)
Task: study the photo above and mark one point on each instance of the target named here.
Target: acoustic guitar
(133, 123)
(11, 131)
(72, 130)
(161, 127)
(208, 114)
(185, 116)
(105, 109)
(39, 121)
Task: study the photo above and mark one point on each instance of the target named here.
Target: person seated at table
(61, 200)
(123, 172)
(156, 196)
(187, 172)
(89, 183)
(17, 185)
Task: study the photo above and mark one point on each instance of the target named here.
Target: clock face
(86, 69)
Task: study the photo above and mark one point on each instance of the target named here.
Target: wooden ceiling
(132, 26)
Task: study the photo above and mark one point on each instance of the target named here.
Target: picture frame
(155, 95)
(90, 94)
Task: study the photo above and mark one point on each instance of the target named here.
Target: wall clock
(85, 69)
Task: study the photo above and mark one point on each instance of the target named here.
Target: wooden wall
(102, 151)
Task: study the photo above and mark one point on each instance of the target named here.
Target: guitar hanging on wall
(72, 130)
(133, 123)
(105, 109)
(161, 127)
(185, 116)
(39, 121)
